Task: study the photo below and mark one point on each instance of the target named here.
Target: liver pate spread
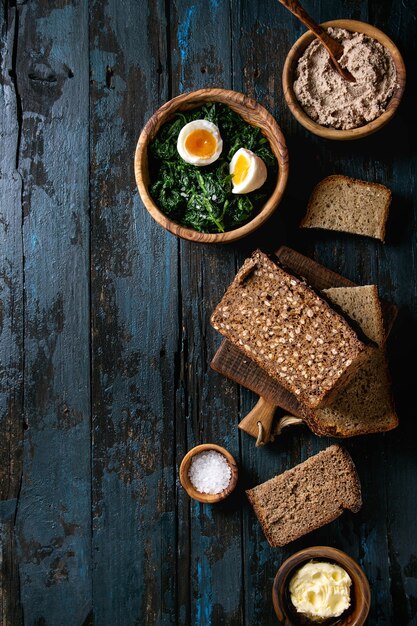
(332, 101)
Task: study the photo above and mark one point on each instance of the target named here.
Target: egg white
(199, 125)
(256, 175)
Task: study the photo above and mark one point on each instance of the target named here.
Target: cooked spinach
(201, 197)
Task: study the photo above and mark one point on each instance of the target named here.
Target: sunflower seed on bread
(290, 331)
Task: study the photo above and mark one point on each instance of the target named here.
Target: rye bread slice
(307, 496)
(289, 330)
(363, 305)
(365, 405)
(348, 205)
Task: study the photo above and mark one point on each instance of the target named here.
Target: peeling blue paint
(203, 604)
(215, 4)
(183, 35)
(34, 241)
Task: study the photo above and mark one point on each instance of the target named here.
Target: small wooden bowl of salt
(208, 473)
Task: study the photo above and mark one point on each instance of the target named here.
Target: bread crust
(365, 416)
(311, 388)
(310, 220)
(354, 504)
(379, 418)
(316, 422)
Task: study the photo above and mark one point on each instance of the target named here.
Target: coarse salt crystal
(209, 472)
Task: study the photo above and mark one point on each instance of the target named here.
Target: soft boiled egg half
(199, 142)
(248, 171)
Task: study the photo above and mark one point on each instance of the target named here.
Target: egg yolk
(241, 169)
(201, 143)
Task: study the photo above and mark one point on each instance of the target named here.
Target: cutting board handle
(258, 423)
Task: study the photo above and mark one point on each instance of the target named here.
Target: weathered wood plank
(135, 329)
(383, 547)
(262, 35)
(210, 574)
(396, 267)
(11, 321)
(311, 158)
(53, 515)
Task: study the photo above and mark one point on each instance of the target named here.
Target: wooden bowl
(360, 594)
(251, 112)
(332, 133)
(208, 498)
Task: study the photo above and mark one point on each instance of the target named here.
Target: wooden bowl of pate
(327, 131)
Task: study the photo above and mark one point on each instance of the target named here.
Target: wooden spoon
(333, 47)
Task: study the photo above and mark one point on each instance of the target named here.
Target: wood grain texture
(11, 321)
(209, 537)
(135, 329)
(258, 29)
(333, 47)
(53, 513)
(258, 422)
(229, 361)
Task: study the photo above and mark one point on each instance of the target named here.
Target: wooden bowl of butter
(332, 108)
(321, 585)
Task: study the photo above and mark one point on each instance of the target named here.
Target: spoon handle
(296, 9)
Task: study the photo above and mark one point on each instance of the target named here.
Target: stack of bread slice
(327, 349)
(365, 405)
(291, 331)
(315, 345)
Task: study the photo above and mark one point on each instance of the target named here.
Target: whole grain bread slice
(289, 330)
(349, 205)
(362, 304)
(307, 496)
(365, 405)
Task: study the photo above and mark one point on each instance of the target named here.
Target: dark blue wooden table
(104, 322)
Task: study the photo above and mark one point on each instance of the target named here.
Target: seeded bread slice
(365, 405)
(307, 496)
(289, 330)
(349, 205)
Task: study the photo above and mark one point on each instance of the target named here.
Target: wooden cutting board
(236, 365)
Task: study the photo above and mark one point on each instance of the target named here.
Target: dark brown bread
(365, 405)
(349, 205)
(307, 496)
(288, 329)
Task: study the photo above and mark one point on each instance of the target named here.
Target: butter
(320, 590)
